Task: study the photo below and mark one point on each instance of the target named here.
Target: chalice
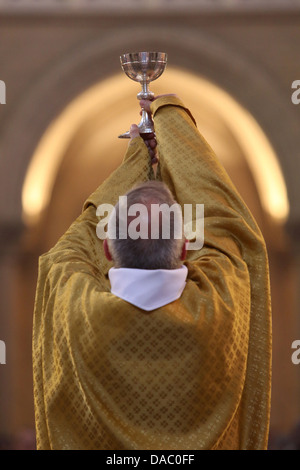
(143, 67)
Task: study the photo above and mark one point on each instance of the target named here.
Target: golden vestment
(193, 374)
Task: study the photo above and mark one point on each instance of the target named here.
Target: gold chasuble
(193, 374)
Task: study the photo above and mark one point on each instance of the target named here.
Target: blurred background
(233, 62)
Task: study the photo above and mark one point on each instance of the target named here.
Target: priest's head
(145, 229)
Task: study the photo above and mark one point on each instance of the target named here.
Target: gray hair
(159, 252)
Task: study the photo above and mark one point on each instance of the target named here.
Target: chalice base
(143, 132)
(146, 126)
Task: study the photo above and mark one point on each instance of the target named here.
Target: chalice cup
(143, 67)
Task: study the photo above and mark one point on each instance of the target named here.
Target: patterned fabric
(194, 374)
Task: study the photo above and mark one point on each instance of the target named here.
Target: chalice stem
(145, 94)
(146, 124)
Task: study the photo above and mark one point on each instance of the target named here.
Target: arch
(111, 94)
(199, 53)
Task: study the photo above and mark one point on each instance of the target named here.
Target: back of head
(149, 229)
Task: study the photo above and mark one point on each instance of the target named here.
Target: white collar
(148, 289)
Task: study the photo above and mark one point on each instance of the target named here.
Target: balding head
(149, 230)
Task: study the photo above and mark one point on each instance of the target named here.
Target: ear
(106, 250)
(184, 250)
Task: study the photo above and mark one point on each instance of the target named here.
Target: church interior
(232, 63)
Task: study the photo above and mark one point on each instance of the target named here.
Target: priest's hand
(149, 140)
(145, 104)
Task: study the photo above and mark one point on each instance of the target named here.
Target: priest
(133, 354)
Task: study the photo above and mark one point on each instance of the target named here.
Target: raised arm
(80, 246)
(230, 273)
(195, 175)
